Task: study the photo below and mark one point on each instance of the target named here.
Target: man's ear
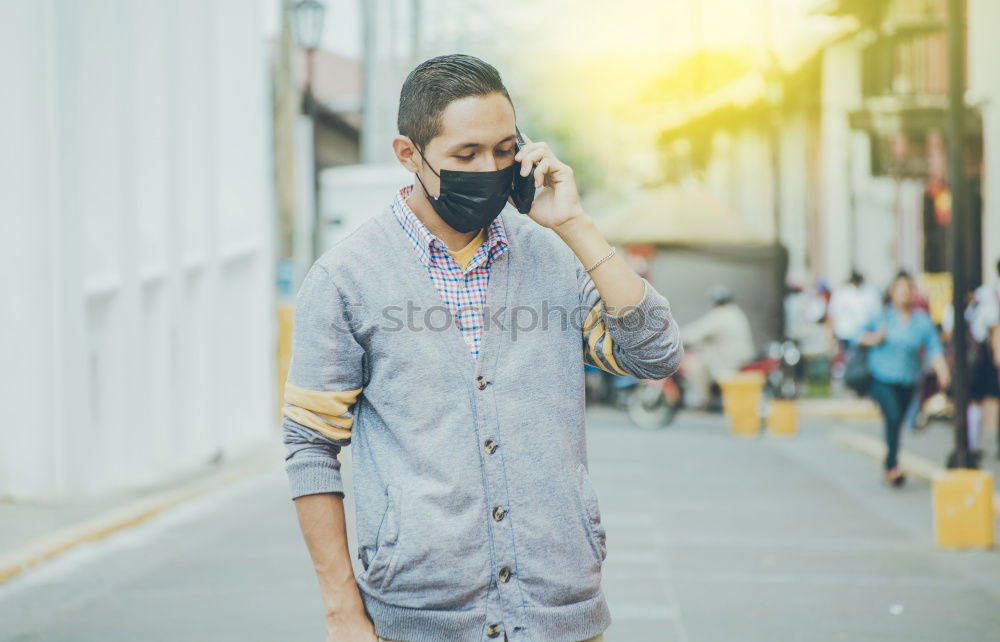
(406, 153)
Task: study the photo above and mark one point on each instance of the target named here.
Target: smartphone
(522, 192)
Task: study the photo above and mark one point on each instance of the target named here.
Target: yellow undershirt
(465, 255)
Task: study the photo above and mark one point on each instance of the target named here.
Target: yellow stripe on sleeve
(608, 353)
(311, 420)
(322, 410)
(592, 317)
(329, 403)
(594, 331)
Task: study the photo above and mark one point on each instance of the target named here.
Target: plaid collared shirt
(463, 291)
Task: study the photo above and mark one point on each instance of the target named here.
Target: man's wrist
(574, 226)
(341, 594)
(343, 605)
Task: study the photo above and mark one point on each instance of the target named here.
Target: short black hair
(436, 83)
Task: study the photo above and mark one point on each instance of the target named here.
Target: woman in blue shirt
(899, 338)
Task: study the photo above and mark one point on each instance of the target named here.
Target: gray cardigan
(475, 513)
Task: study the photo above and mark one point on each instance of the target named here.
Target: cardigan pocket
(595, 529)
(379, 569)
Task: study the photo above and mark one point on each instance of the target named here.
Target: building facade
(856, 160)
(138, 221)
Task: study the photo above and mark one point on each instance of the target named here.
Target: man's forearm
(618, 284)
(321, 517)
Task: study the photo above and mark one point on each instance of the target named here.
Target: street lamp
(774, 96)
(307, 22)
(959, 215)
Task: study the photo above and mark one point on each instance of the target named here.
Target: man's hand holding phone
(560, 202)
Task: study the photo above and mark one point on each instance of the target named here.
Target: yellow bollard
(741, 395)
(963, 509)
(783, 418)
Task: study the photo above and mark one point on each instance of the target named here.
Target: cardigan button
(498, 513)
(490, 446)
(504, 574)
(493, 631)
(481, 382)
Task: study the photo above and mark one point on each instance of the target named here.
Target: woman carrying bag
(897, 338)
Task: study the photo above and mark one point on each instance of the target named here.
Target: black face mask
(470, 200)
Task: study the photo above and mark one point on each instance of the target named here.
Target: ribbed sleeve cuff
(309, 474)
(649, 317)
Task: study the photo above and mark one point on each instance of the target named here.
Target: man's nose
(490, 163)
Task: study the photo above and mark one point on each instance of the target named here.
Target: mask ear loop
(418, 174)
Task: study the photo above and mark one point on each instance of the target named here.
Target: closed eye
(500, 152)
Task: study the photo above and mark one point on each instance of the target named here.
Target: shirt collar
(428, 246)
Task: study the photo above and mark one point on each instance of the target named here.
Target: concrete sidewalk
(716, 539)
(34, 532)
(934, 443)
(710, 539)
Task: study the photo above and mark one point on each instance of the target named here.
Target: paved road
(711, 539)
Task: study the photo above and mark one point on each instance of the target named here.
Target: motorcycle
(655, 403)
(785, 380)
(606, 388)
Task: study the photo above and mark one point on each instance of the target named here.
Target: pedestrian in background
(899, 336)
(722, 340)
(851, 305)
(986, 325)
(982, 314)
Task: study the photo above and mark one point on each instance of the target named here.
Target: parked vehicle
(655, 403)
(606, 388)
(787, 376)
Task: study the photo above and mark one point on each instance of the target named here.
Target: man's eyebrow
(462, 146)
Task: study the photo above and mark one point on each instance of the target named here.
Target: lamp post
(959, 213)
(775, 97)
(307, 22)
(774, 89)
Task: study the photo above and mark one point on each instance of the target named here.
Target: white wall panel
(148, 137)
(99, 53)
(143, 342)
(28, 274)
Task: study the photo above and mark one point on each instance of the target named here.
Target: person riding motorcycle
(722, 343)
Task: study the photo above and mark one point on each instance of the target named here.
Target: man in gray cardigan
(445, 340)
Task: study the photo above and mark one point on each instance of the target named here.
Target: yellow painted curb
(913, 464)
(48, 546)
(859, 410)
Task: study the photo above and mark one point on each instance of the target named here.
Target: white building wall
(753, 180)
(841, 92)
(136, 209)
(719, 174)
(738, 173)
(794, 164)
(984, 92)
(874, 238)
(391, 51)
